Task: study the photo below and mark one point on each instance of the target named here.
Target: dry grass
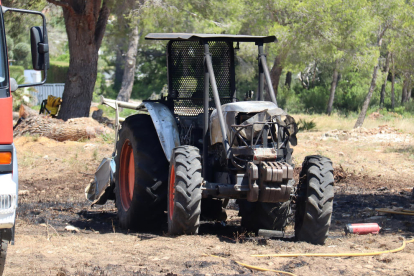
(325, 123)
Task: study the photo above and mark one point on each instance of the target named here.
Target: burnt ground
(52, 180)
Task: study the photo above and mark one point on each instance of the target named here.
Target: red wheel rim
(127, 175)
(171, 192)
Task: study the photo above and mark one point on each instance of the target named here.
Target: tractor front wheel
(314, 203)
(184, 191)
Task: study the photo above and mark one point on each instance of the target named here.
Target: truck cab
(9, 179)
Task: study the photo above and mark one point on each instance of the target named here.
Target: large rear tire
(141, 175)
(262, 215)
(314, 203)
(184, 191)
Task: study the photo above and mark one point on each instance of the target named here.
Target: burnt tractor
(197, 147)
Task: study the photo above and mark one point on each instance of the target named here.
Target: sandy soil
(371, 172)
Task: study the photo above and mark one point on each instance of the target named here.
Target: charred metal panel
(230, 112)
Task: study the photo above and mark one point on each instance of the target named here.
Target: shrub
(306, 125)
(409, 107)
(315, 100)
(57, 72)
(289, 101)
(21, 51)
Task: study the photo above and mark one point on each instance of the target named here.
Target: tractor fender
(165, 125)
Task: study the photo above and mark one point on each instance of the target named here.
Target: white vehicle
(9, 180)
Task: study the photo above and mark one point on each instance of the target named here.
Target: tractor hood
(230, 112)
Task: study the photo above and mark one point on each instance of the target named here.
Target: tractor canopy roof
(210, 37)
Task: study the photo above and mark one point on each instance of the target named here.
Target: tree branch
(92, 13)
(101, 25)
(64, 5)
(59, 3)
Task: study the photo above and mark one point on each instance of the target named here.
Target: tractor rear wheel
(141, 175)
(314, 204)
(184, 191)
(263, 215)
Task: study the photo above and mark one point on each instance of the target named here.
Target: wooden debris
(73, 129)
(25, 112)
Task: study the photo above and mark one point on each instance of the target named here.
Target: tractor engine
(260, 158)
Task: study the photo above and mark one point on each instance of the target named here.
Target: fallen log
(16, 116)
(25, 111)
(73, 129)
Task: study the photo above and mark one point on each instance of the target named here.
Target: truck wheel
(184, 191)
(3, 254)
(263, 215)
(141, 175)
(314, 202)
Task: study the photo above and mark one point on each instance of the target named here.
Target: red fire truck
(8, 159)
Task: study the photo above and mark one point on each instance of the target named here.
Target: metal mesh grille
(186, 74)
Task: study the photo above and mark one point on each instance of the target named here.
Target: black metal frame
(209, 76)
(45, 43)
(181, 98)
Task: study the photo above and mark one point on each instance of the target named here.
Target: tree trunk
(275, 73)
(387, 68)
(392, 83)
(365, 105)
(288, 81)
(314, 74)
(121, 30)
(119, 68)
(129, 70)
(333, 88)
(303, 81)
(85, 23)
(404, 90)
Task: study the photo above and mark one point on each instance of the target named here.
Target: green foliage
(306, 125)
(21, 50)
(10, 43)
(58, 72)
(313, 36)
(290, 101)
(108, 138)
(16, 71)
(64, 57)
(409, 107)
(314, 99)
(351, 91)
(153, 75)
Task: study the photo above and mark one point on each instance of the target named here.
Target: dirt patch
(54, 175)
